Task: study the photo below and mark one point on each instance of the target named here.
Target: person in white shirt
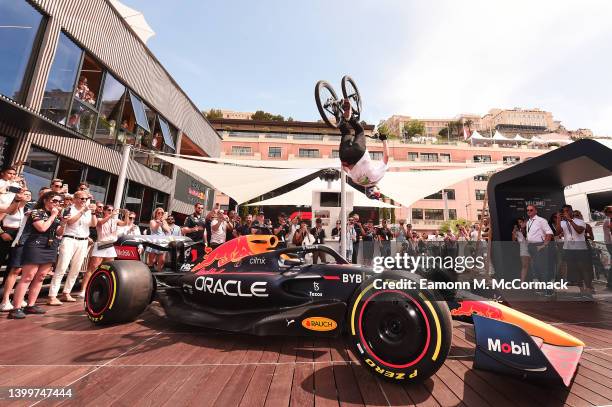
(218, 227)
(9, 183)
(73, 247)
(575, 249)
(130, 228)
(355, 157)
(539, 235)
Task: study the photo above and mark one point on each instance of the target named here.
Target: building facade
(517, 120)
(432, 126)
(76, 83)
(254, 140)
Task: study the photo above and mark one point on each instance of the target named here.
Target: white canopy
(241, 183)
(245, 183)
(477, 136)
(409, 187)
(303, 196)
(518, 137)
(500, 137)
(135, 20)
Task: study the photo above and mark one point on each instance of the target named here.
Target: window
(482, 177)
(445, 158)
(82, 118)
(111, 108)
(480, 194)
(482, 158)
(376, 155)
(133, 199)
(308, 153)
(90, 81)
(62, 78)
(274, 152)
(335, 154)
(429, 157)
(98, 183)
(134, 125)
(417, 213)
(20, 24)
(241, 150)
(452, 214)
(6, 144)
(39, 169)
(412, 156)
(434, 214)
(511, 159)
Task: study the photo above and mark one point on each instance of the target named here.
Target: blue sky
(418, 58)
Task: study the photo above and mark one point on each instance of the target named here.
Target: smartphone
(29, 206)
(14, 189)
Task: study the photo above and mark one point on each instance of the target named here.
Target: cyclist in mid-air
(355, 157)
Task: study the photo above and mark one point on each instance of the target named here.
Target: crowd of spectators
(560, 247)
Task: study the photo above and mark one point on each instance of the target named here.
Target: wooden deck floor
(153, 362)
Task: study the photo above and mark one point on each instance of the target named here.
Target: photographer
(218, 227)
(103, 249)
(281, 230)
(158, 226)
(10, 184)
(11, 224)
(40, 245)
(73, 247)
(575, 250)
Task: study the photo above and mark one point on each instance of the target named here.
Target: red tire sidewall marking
(364, 342)
(110, 290)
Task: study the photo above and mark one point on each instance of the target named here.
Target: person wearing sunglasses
(103, 249)
(539, 235)
(40, 243)
(130, 228)
(73, 247)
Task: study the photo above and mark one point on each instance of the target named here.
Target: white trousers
(72, 252)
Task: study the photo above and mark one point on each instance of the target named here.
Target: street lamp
(467, 216)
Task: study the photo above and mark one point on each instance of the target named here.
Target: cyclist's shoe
(345, 111)
(382, 137)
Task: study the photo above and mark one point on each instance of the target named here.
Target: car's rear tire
(401, 335)
(118, 291)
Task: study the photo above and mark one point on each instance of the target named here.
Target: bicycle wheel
(327, 103)
(351, 92)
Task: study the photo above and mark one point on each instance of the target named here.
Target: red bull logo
(482, 308)
(235, 250)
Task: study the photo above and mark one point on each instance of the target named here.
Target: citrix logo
(496, 345)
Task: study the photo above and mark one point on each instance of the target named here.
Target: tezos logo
(495, 345)
(319, 324)
(230, 288)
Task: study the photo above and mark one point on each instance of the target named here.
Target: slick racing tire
(401, 335)
(118, 292)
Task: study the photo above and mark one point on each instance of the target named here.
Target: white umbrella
(135, 19)
(518, 137)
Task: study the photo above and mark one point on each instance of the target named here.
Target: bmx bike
(330, 106)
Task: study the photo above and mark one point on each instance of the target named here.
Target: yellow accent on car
(438, 329)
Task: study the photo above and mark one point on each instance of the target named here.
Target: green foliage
(383, 129)
(452, 225)
(213, 114)
(268, 117)
(455, 128)
(412, 129)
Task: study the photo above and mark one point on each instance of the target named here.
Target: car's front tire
(399, 334)
(118, 292)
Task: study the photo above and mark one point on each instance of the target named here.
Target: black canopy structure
(539, 181)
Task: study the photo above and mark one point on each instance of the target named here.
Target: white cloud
(469, 56)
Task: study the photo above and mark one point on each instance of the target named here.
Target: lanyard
(529, 224)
